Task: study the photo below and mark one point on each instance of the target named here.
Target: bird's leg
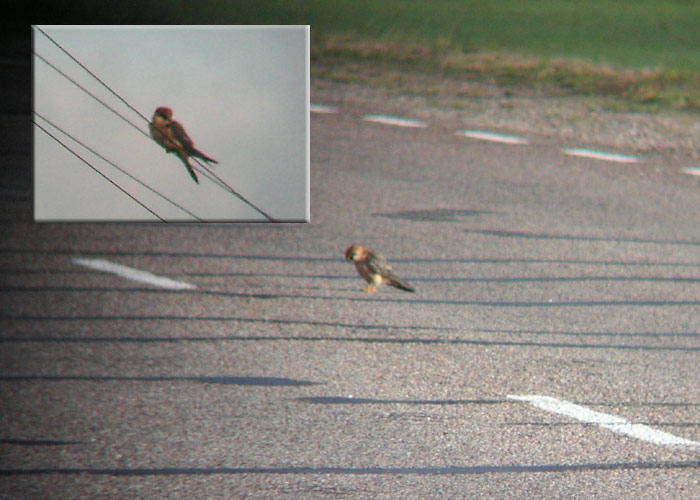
(371, 288)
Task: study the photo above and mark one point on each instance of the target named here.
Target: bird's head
(354, 252)
(164, 112)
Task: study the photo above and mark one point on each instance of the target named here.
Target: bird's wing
(180, 134)
(378, 264)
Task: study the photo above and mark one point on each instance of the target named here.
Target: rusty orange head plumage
(354, 252)
(165, 112)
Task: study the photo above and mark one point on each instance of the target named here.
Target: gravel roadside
(490, 105)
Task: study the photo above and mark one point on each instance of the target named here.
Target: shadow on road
(258, 381)
(421, 471)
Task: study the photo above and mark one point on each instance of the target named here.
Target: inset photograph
(171, 123)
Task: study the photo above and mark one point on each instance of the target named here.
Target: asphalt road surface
(551, 289)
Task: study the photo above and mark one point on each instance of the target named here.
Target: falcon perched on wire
(172, 136)
(374, 269)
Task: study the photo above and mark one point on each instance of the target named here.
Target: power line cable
(64, 75)
(228, 188)
(96, 170)
(91, 73)
(116, 166)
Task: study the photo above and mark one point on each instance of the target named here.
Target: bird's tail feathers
(397, 283)
(183, 156)
(202, 156)
(192, 174)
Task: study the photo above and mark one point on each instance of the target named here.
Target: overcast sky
(240, 91)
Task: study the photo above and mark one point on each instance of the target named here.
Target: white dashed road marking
(392, 120)
(598, 155)
(691, 170)
(493, 137)
(320, 108)
(133, 274)
(488, 136)
(610, 422)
